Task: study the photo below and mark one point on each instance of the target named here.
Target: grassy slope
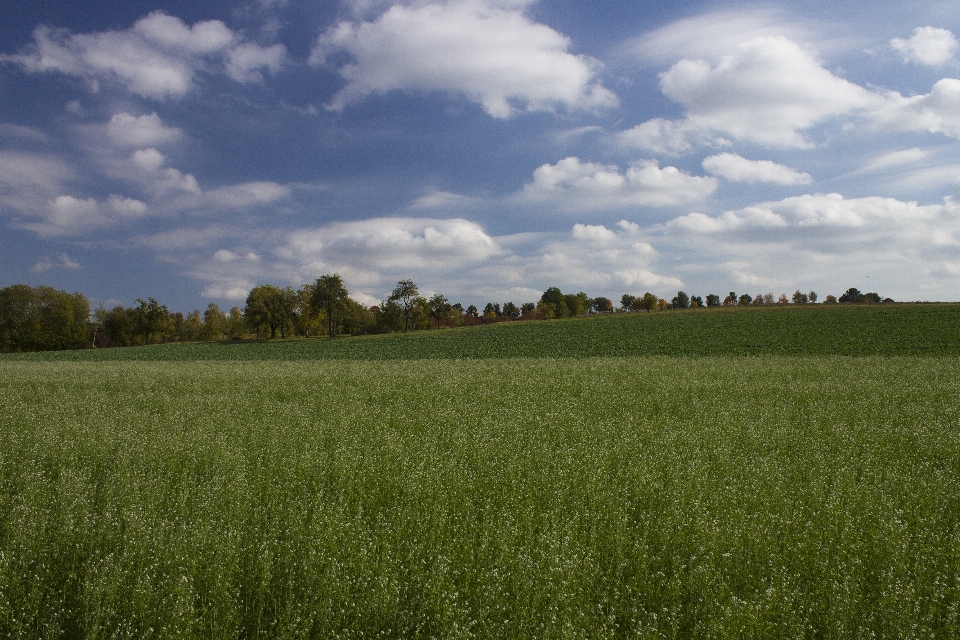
(764, 496)
(814, 330)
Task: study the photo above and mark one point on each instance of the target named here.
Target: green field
(732, 474)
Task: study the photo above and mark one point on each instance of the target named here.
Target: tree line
(42, 318)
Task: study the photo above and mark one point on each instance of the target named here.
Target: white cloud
(125, 130)
(738, 169)
(249, 194)
(63, 261)
(159, 57)
(928, 45)
(768, 91)
(936, 112)
(487, 51)
(715, 34)
(577, 185)
(672, 137)
(894, 159)
(246, 62)
(442, 200)
(394, 244)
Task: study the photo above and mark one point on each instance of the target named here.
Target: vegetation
(812, 330)
(715, 497)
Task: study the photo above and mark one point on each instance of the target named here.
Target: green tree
(440, 308)
(553, 304)
(151, 318)
(852, 296)
(236, 327)
(713, 300)
(330, 295)
(744, 299)
(799, 297)
(405, 294)
(42, 318)
(648, 302)
(271, 306)
(680, 301)
(602, 305)
(626, 302)
(214, 323)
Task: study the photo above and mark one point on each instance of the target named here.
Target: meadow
(585, 478)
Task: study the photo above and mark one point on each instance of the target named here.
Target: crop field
(550, 493)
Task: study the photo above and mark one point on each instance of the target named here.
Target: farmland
(752, 474)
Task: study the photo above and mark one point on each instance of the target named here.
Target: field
(671, 475)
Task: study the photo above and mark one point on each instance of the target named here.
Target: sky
(486, 149)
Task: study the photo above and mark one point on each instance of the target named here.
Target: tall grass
(598, 497)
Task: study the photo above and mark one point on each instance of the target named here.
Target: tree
(768, 298)
(214, 323)
(812, 296)
(744, 299)
(440, 308)
(472, 311)
(852, 296)
(648, 302)
(527, 309)
(733, 297)
(626, 301)
(713, 300)
(602, 305)
(800, 297)
(872, 298)
(553, 304)
(491, 311)
(405, 294)
(758, 299)
(696, 302)
(42, 318)
(783, 299)
(271, 306)
(830, 299)
(331, 296)
(236, 327)
(680, 301)
(511, 311)
(150, 317)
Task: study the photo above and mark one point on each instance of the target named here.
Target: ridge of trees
(43, 318)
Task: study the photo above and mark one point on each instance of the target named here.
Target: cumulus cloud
(936, 112)
(394, 244)
(68, 215)
(63, 261)
(578, 185)
(159, 57)
(672, 137)
(249, 194)
(738, 169)
(125, 130)
(768, 91)
(489, 52)
(928, 45)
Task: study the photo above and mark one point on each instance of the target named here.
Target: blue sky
(487, 149)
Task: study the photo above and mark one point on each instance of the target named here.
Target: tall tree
(405, 294)
(440, 308)
(330, 295)
(42, 318)
(150, 318)
(271, 306)
(680, 301)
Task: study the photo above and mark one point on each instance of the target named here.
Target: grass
(557, 497)
(812, 330)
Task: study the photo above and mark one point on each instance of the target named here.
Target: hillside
(815, 330)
